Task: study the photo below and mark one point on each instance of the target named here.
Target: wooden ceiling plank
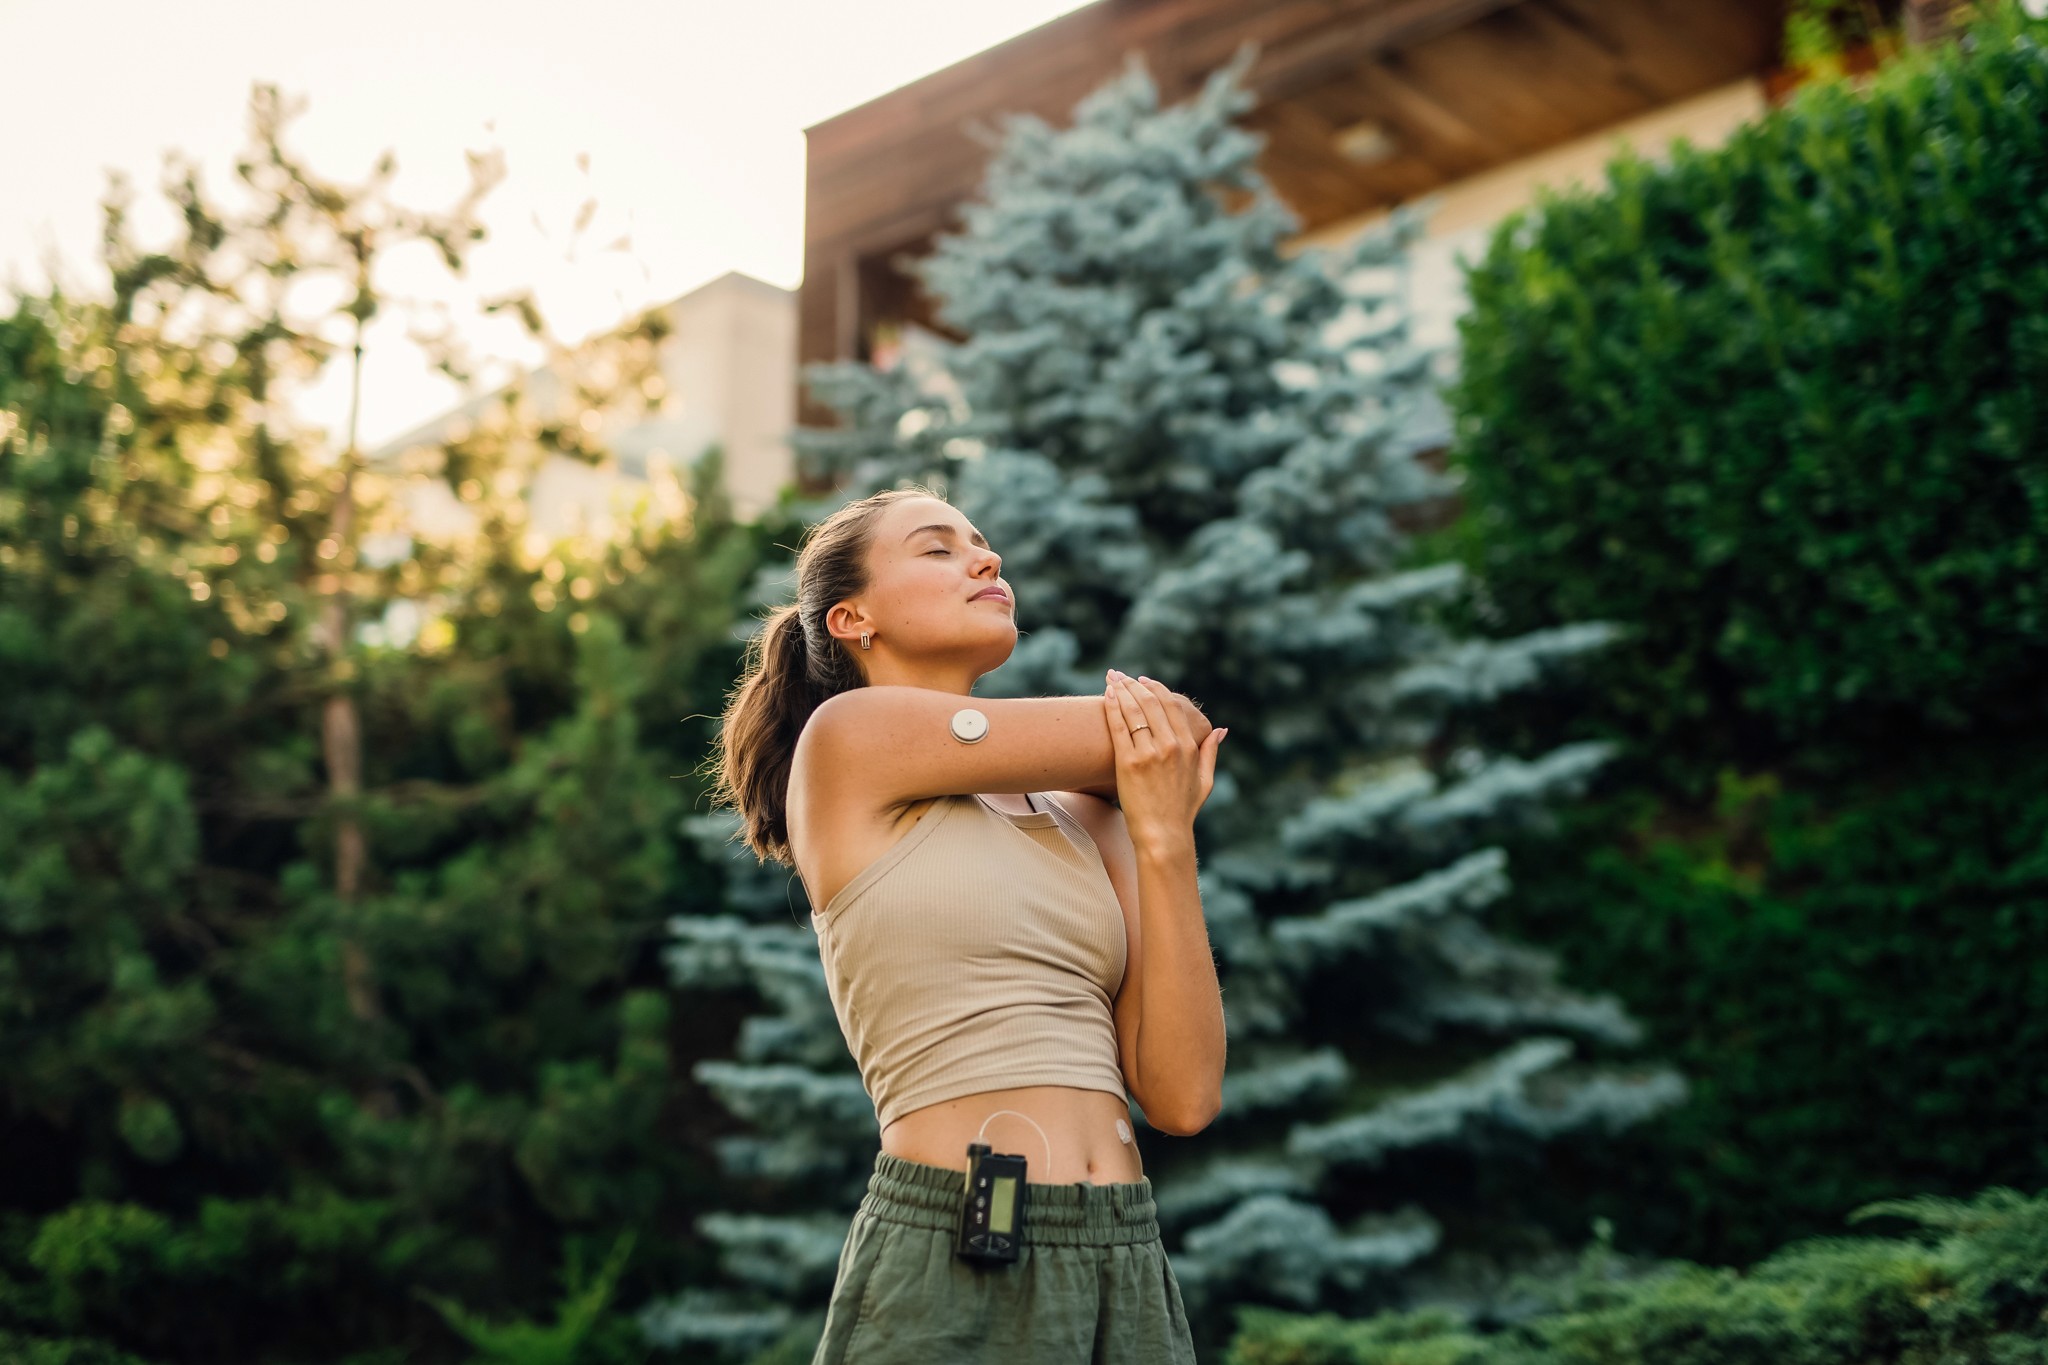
(1596, 51)
(1215, 29)
(1681, 49)
(1538, 108)
(1209, 45)
(1408, 102)
(1299, 150)
(1288, 69)
(1391, 182)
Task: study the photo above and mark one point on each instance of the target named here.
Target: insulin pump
(992, 1209)
(993, 1201)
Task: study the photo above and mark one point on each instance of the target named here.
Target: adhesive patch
(1123, 1130)
(969, 725)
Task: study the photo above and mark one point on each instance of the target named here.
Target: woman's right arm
(893, 744)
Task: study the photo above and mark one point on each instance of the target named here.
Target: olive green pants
(1091, 1285)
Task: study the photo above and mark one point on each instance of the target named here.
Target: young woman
(976, 868)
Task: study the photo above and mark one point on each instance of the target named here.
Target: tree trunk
(341, 736)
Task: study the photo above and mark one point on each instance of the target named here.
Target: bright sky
(691, 112)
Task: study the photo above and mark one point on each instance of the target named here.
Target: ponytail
(793, 664)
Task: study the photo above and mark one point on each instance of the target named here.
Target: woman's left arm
(1199, 726)
(1165, 768)
(1179, 1009)
(1190, 1080)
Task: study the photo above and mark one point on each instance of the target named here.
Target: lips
(990, 592)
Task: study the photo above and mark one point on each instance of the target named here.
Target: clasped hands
(1165, 754)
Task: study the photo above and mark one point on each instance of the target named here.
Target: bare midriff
(1079, 1125)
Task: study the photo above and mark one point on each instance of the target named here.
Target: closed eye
(938, 552)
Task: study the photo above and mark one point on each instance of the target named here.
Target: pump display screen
(1002, 1205)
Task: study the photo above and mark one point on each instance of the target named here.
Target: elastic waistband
(1078, 1214)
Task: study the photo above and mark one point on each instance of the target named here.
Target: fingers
(1145, 713)
(1119, 726)
(1211, 744)
(1175, 707)
(1172, 716)
(1144, 726)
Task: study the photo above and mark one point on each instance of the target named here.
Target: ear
(848, 620)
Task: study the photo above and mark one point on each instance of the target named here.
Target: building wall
(730, 367)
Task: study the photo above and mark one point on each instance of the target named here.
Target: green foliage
(125, 1272)
(257, 1110)
(1777, 407)
(94, 854)
(1854, 981)
(26, 1350)
(580, 1333)
(1780, 405)
(1818, 31)
(1976, 1294)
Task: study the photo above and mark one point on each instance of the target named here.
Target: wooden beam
(1596, 50)
(1410, 103)
(1295, 65)
(1668, 42)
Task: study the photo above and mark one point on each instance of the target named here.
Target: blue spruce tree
(1190, 445)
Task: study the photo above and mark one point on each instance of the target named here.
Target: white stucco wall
(730, 367)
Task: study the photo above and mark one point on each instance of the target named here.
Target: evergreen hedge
(1853, 983)
(1781, 405)
(1969, 1289)
(190, 1174)
(1777, 408)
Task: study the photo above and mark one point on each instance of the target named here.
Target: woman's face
(941, 613)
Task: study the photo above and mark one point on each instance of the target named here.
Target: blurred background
(1591, 452)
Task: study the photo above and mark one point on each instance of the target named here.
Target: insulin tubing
(1028, 1119)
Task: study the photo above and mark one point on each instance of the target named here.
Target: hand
(1164, 773)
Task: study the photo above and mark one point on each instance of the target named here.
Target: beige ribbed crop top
(981, 951)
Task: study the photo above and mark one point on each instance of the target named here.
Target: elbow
(1185, 1121)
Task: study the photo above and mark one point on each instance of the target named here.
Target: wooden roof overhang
(1445, 88)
